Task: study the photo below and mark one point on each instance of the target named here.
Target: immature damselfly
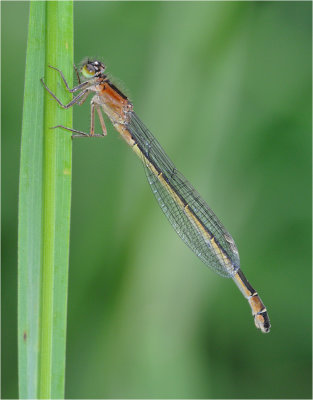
(189, 214)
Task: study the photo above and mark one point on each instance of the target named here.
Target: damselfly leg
(79, 99)
(78, 87)
(77, 74)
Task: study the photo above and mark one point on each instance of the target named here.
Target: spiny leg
(92, 120)
(78, 87)
(84, 98)
(71, 103)
(77, 74)
(92, 123)
(79, 99)
(79, 133)
(102, 123)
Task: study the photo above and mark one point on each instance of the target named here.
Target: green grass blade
(44, 204)
(30, 205)
(57, 198)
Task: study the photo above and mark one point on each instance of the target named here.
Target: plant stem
(44, 230)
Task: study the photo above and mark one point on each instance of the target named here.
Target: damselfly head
(91, 69)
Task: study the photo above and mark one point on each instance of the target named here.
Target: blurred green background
(226, 88)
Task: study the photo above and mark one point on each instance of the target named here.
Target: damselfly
(189, 214)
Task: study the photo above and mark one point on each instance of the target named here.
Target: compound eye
(88, 70)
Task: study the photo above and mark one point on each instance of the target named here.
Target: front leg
(78, 87)
(75, 100)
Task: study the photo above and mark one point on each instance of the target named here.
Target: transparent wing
(154, 155)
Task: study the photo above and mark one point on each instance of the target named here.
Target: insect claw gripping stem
(79, 133)
(79, 99)
(78, 87)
